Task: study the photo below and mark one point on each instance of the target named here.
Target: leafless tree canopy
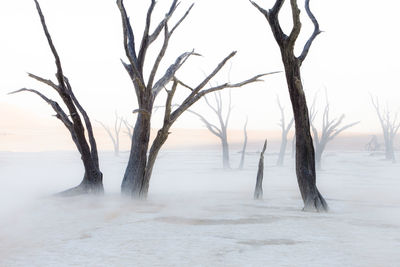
(390, 126)
(140, 165)
(92, 181)
(330, 129)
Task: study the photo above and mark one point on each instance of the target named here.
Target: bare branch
(235, 85)
(168, 103)
(216, 70)
(110, 134)
(262, 10)
(129, 128)
(60, 114)
(182, 19)
(129, 45)
(296, 23)
(211, 127)
(45, 81)
(89, 128)
(170, 72)
(315, 33)
(183, 84)
(59, 75)
(272, 18)
(337, 132)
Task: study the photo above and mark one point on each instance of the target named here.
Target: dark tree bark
(114, 136)
(93, 178)
(243, 152)
(390, 127)
(328, 131)
(258, 191)
(285, 130)
(140, 165)
(305, 157)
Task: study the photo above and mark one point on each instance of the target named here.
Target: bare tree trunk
(318, 156)
(390, 126)
(243, 153)
(282, 150)
(258, 191)
(285, 130)
(225, 153)
(133, 181)
(305, 157)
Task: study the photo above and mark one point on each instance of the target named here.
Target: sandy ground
(198, 214)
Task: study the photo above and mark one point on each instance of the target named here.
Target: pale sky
(357, 54)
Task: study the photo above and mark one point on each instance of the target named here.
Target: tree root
(316, 204)
(82, 189)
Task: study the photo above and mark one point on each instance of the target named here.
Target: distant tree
(129, 128)
(258, 191)
(390, 125)
(114, 136)
(330, 129)
(305, 157)
(243, 152)
(223, 120)
(285, 130)
(141, 161)
(373, 144)
(93, 179)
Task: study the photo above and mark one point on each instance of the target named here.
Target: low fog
(199, 214)
(159, 161)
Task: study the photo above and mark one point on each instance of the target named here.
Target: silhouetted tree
(390, 125)
(140, 165)
(305, 157)
(285, 130)
(93, 179)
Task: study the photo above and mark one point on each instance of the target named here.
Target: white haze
(197, 214)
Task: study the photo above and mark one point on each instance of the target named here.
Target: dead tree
(258, 191)
(140, 165)
(305, 157)
(129, 128)
(223, 120)
(114, 136)
(243, 152)
(285, 130)
(93, 178)
(330, 129)
(390, 125)
(373, 144)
